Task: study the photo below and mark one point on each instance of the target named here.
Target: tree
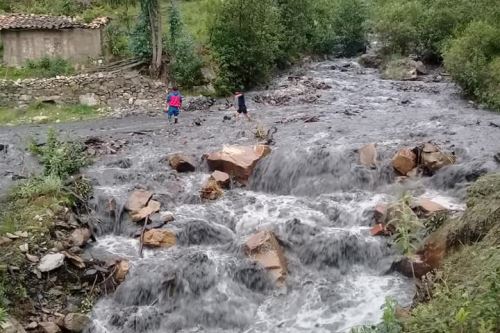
(150, 12)
(245, 39)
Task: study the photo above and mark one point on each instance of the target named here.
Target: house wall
(75, 45)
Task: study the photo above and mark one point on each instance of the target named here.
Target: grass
(44, 67)
(33, 207)
(46, 113)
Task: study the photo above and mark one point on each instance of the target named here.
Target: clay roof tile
(46, 22)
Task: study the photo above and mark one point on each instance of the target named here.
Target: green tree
(296, 17)
(349, 27)
(185, 64)
(245, 39)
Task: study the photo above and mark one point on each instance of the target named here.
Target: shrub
(349, 27)
(117, 40)
(473, 60)
(389, 324)
(60, 158)
(49, 67)
(35, 187)
(185, 64)
(245, 41)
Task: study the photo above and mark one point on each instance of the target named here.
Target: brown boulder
(138, 200)
(368, 155)
(122, 267)
(238, 161)
(425, 207)
(263, 247)
(378, 230)
(411, 266)
(159, 238)
(182, 163)
(80, 236)
(370, 60)
(434, 250)
(211, 190)
(151, 208)
(433, 159)
(76, 322)
(222, 178)
(404, 161)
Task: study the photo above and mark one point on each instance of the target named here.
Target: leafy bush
(60, 158)
(473, 59)
(349, 27)
(49, 67)
(245, 43)
(185, 64)
(117, 40)
(140, 39)
(35, 187)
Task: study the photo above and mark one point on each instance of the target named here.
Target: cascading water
(338, 272)
(311, 192)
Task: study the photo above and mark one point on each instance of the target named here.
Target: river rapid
(311, 192)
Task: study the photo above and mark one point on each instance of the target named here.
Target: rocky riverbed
(311, 191)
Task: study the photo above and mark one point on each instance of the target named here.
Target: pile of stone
(297, 89)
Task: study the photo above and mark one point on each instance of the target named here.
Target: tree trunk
(156, 37)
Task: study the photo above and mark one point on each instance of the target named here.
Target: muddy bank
(310, 191)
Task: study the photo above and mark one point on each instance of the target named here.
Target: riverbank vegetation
(462, 296)
(245, 42)
(29, 214)
(46, 113)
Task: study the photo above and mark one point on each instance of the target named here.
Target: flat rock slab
(151, 208)
(368, 155)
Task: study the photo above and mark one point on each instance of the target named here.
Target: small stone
(80, 236)
(32, 258)
(49, 327)
(24, 247)
(76, 322)
(23, 234)
(50, 262)
(32, 325)
(159, 238)
(122, 268)
(11, 236)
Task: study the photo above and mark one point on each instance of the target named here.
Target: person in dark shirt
(240, 104)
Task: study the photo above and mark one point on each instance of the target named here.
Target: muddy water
(310, 191)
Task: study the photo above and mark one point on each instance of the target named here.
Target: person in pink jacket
(174, 103)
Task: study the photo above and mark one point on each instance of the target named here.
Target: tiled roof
(46, 22)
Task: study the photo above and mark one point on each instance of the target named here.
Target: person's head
(175, 88)
(238, 93)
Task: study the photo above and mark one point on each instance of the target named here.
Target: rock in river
(368, 155)
(404, 161)
(159, 238)
(151, 208)
(222, 179)
(182, 163)
(238, 161)
(138, 200)
(263, 247)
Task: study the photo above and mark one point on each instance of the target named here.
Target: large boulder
(182, 163)
(263, 247)
(221, 178)
(370, 60)
(433, 159)
(404, 161)
(368, 155)
(238, 161)
(90, 99)
(76, 322)
(159, 238)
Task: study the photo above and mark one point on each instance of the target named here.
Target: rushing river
(311, 191)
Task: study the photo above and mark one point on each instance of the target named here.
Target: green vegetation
(46, 113)
(45, 67)
(465, 292)
(465, 33)
(33, 207)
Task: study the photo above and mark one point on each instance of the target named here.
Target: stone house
(29, 37)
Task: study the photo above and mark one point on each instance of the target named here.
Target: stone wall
(106, 89)
(75, 45)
